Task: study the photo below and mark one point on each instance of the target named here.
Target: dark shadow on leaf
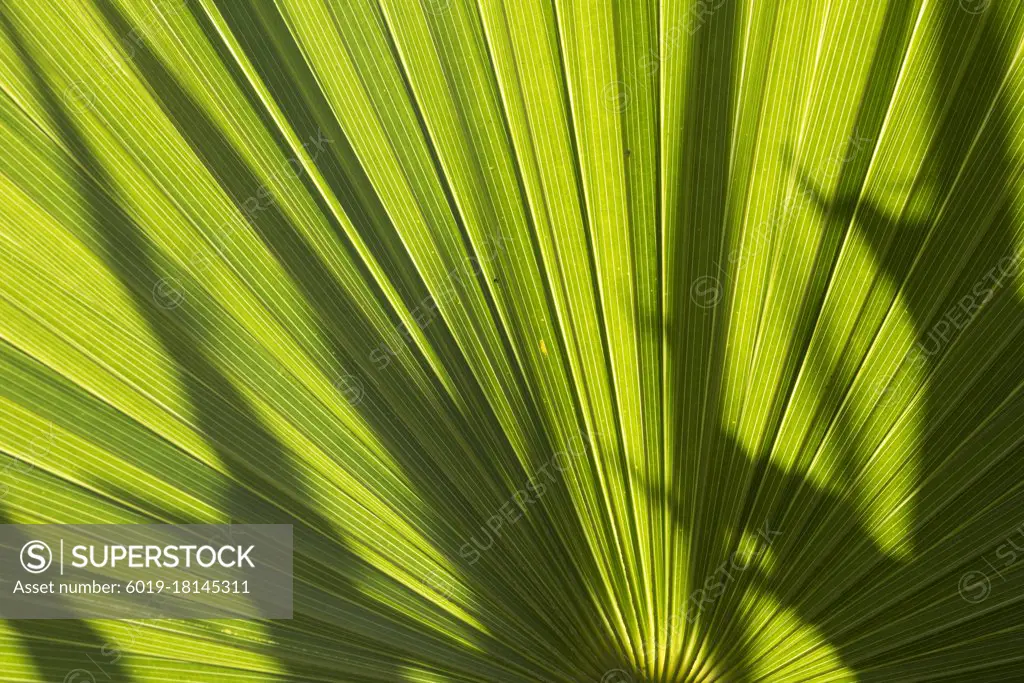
(882, 616)
(231, 427)
(40, 638)
(886, 618)
(385, 402)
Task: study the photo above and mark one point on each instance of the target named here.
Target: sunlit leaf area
(623, 341)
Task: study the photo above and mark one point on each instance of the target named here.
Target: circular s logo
(974, 586)
(706, 291)
(440, 583)
(351, 387)
(167, 293)
(974, 6)
(79, 676)
(36, 557)
(79, 97)
(616, 676)
(616, 95)
(437, 6)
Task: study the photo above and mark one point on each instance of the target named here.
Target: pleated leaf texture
(579, 340)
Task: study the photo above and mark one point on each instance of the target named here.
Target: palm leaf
(578, 341)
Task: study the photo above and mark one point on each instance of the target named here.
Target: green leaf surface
(579, 340)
